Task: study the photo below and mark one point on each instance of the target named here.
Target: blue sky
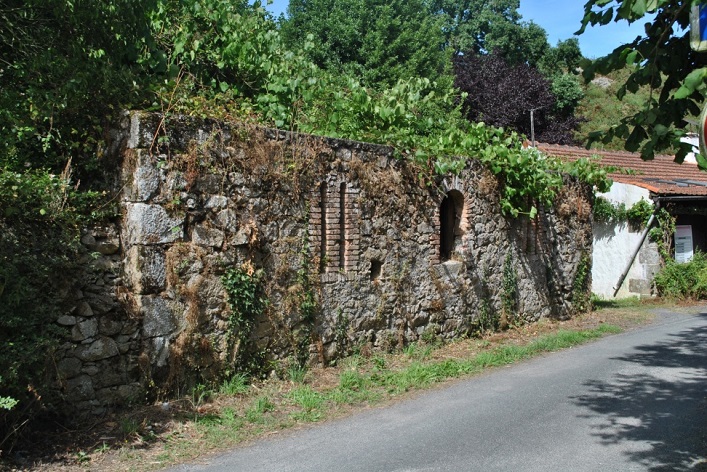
(560, 18)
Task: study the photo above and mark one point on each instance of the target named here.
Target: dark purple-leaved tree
(503, 94)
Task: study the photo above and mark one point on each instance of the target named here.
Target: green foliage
(236, 385)
(260, 406)
(309, 401)
(581, 295)
(66, 67)
(661, 60)
(247, 302)
(591, 172)
(469, 24)
(377, 42)
(509, 288)
(683, 281)
(563, 58)
(663, 234)
(567, 91)
(602, 109)
(7, 403)
(607, 212)
(40, 214)
(637, 215)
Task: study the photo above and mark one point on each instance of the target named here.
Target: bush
(683, 281)
(39, 220)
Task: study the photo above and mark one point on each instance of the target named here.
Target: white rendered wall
(614, 245)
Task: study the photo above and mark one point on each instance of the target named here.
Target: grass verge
(237, 411)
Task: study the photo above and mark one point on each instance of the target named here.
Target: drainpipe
(651, 220)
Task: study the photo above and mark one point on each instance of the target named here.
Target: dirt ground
(155, 436)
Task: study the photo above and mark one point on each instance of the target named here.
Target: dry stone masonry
(355, 249)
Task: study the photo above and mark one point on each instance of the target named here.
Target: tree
(519, 43)
(63, 66)
(467, 23)
(662, 60)
(565, 58)
(503, 94)
(377, 41)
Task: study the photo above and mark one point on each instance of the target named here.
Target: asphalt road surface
(633, 401)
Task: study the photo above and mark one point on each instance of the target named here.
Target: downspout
(651, 220)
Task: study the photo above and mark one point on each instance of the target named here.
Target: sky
(560, 18)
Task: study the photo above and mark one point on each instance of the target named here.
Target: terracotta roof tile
(662, 175)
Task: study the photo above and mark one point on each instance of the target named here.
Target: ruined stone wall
(387, 254)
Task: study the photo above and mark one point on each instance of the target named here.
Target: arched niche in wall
(450, 215)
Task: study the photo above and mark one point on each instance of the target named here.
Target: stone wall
(387, 253)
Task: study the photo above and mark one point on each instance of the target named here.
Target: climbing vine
(246, 299)
(509, 290)
(662, 234)
(580, 285)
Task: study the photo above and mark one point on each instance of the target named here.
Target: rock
(240, 239)
(159, 351)
(80, 388)
(108, 327)
(100, 304)
(66, 320)
(150, 224)
(89, 241)
(102, 348)
(208, 237)
(227, 220)
(68, 367)
(108, 248)
(84, 329)
(158, 319)
(146, 178)
(83, 309)
(216, 201)
(145, 269)
(602, 82)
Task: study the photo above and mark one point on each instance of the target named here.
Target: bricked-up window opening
(342, 226)
(322, 228)
(376, 269)
(450, 212)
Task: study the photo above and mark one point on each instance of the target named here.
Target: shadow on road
(657, 405)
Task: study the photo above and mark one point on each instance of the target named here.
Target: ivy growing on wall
(636, 215)
(247, 302)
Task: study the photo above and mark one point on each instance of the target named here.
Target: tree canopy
(503, 94)
(661, 59)
(378, 41)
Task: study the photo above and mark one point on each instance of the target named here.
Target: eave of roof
(661, 176)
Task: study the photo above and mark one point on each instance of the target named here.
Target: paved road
(634, 401)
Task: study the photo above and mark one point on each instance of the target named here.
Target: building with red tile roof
(624, 261)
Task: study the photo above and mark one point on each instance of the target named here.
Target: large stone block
(144, 177)
(158, 317)
(145, 269)
(101, 348)
(151, 224)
